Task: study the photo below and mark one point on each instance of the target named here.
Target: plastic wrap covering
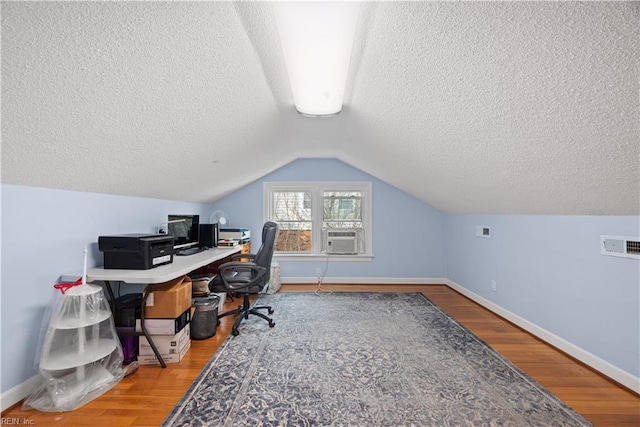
(274, 283)
(80, 355)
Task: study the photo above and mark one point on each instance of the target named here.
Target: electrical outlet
(318, 271)
(494, 286)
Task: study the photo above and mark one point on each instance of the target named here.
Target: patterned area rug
(363, 359)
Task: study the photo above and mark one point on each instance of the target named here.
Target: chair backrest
(265, 253)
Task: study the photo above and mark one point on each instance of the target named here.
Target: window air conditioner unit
(342, 242)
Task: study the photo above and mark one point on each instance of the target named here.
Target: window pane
(292, 212)
(291, 206)
(342, 206)
(294, 237)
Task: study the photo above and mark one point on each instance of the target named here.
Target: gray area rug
(363, 359)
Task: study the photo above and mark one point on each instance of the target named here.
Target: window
(292, 211)
(320, 218)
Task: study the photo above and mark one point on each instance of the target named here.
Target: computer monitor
(185, 229)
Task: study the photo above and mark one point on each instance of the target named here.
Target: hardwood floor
(146, 397)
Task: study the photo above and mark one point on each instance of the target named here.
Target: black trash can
(205, 317)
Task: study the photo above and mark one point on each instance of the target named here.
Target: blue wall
(408, 235)
(44, 233)
(549, 270)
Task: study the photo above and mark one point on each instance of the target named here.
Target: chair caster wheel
(270, 311)
(272, 324)
(235, 333)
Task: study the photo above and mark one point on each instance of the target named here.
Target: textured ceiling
(472, 107)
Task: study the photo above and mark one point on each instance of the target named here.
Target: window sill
(323, 257)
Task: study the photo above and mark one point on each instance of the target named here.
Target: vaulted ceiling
(472, 107)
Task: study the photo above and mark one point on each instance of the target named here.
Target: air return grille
(633, 247)
(628, 247)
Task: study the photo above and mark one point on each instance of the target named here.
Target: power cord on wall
(320, 276)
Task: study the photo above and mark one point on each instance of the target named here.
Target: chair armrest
(232, 264)
(229, 280)
(242, 256)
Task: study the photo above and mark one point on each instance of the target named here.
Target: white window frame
(317, 190)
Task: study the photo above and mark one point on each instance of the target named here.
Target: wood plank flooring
(146, 397)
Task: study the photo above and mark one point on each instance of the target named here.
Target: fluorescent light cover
(316, 39)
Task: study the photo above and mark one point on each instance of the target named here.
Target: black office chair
(249, 278)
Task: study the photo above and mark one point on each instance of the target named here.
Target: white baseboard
(19, 392)
(368, 280)
(589, 359)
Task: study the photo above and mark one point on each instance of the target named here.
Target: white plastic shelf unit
(79, 339)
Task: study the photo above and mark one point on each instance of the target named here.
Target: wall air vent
(627, 247)
(483, 231)
(633, 247)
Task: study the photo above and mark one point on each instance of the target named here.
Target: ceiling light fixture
(316, 39)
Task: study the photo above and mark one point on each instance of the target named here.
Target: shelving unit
(81, 356)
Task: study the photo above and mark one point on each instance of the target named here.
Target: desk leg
(145, 294)
(112, 298)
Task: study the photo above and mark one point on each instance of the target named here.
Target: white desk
(180, 266)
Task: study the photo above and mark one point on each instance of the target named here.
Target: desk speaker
(208, 235)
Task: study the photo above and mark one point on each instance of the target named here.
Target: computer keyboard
(189, 251)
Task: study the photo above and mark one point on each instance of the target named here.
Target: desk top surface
(180, 266)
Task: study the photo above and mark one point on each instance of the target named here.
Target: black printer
(136, 251)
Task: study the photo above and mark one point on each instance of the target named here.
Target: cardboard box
(168, 358)
(165, 326)
(168, 300)
(166, 344)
